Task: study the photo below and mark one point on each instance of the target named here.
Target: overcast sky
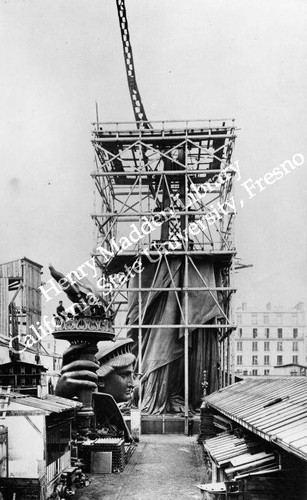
(194, 59)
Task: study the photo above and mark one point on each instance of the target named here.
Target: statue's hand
(76, 375)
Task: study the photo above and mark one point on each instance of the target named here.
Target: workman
(60, 310)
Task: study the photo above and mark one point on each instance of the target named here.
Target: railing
(164, 125)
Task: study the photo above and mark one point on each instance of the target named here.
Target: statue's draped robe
(163, 348)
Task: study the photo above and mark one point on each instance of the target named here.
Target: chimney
(300, 306)
(268, 306)
(244, 306)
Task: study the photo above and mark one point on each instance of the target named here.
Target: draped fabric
(204, 355)
(163, 348)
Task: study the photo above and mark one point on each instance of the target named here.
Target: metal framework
(183, 169)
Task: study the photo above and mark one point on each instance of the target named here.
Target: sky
(242, 59)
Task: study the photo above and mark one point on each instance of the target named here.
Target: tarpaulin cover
(163, 348)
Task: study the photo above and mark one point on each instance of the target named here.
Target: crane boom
(138, 108)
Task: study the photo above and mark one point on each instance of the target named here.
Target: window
(254, 319)
(240, 332)
(239, 319)
(245, 372)
(279, 319)
(22, 370)
(255, 333)
(294, 318)
(295, 346)
(279, 346)
(266, 346)
(254, 373)
(279, 360)
(295, 359)
(254, 346)
(239, 360)
(266, 319)
(279, 333)
(266, 372)
(239, 346)
(254, 360)
(267, 333)
(266, 360)
(295, 333)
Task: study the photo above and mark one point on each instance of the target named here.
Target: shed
(264, 448)
(39, 436)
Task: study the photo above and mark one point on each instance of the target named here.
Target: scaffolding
(167, 192)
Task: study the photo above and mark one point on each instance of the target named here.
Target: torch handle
(86, 394)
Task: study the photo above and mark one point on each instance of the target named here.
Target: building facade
(268, 339)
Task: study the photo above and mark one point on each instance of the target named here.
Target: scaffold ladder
(138, 108)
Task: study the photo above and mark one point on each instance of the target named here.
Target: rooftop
(22, 259)
(14, 403)
(269, 308)
(273, 408)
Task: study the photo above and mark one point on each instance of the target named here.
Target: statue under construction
(165, 244)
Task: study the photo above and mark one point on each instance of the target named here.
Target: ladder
(138, 108)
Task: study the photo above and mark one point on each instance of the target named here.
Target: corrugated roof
(241, 454)
(225, 446)
(49, 404)
(275, 409)
(254, 464)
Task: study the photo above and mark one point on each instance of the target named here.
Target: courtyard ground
(163, 467)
